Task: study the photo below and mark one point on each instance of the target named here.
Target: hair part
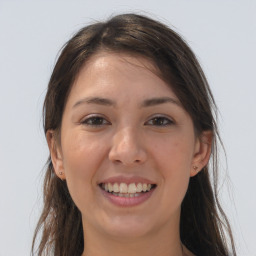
(204, 228)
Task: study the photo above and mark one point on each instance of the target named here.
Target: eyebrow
(107, 102)
(158, 101)
(95, 100)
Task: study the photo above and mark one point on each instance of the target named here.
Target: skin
(155, 141)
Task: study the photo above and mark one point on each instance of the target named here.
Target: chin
(128, 228)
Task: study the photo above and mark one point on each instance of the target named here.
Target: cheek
(81, 154)
(173, 158)
(81, 159)
(174, 155)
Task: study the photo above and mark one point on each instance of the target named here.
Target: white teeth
(116, 188)
(123, 189)
(132, 188)
(126, 194)
(139, 187)
(110, 187)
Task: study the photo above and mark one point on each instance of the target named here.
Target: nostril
(118, 161)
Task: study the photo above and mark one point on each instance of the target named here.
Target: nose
(126, 148)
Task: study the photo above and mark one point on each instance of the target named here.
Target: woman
(129, 121)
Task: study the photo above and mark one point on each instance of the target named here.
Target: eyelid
(91, 116)
(161, 116)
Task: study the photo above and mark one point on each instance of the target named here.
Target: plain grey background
(221, 33)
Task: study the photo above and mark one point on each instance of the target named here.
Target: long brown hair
(204, 228)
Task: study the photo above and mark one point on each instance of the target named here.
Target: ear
(56, 155)
(202, 153)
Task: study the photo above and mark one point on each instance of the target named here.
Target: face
(127, 148)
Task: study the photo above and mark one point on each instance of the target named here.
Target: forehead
(108, 72)
(122, 64)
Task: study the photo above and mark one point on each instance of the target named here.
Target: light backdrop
(221, 33)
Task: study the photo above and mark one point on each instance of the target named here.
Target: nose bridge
(126, 146)
(126, 139)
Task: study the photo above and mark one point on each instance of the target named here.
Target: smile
(123, 194)
(127, 190)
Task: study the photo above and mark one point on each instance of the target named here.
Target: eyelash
(93, 121)
(164, 121)
(98, 121)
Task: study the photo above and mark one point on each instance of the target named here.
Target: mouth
(127, 190)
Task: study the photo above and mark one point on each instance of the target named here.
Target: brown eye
(95, 121)
(160, 121)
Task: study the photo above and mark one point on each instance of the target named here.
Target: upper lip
(127, 180)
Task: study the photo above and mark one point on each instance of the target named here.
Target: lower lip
(127, 201)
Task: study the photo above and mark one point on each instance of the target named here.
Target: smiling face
(123, 129)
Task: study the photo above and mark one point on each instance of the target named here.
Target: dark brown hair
(204, 228)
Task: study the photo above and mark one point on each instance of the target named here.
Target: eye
(95, 121)
(159, 121)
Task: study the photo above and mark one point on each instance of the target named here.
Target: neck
(162, 242)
